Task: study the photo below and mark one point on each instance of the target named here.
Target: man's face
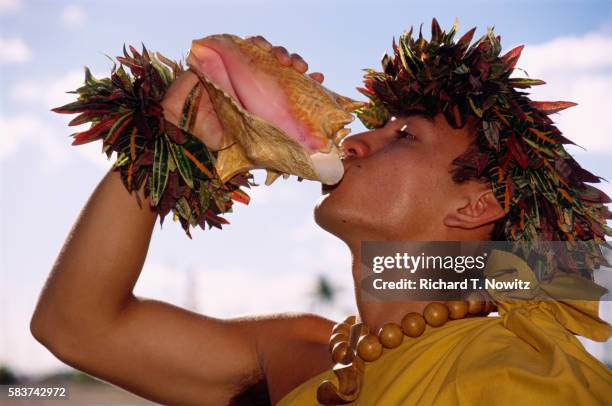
(397, 184)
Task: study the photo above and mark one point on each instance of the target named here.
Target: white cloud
(36, 130)
(74, 17)
(24, 91)
(47, 92)
(29, 131)
(578, 69)
(14, 130)
(10, 6)
(568, 54)
(14, 50)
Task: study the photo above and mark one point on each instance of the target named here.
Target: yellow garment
(527, 355)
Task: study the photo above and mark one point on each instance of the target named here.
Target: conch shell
(272, 116)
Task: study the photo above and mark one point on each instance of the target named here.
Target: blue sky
(44, 181)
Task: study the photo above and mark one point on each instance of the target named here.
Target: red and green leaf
(160, 170)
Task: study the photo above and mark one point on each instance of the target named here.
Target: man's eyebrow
(416, 113)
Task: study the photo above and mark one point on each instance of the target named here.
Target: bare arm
(88, 316)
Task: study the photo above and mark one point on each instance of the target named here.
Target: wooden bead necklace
(352, 345)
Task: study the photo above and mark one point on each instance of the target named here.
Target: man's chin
(319, 209)
(327, 214)
(326, 193)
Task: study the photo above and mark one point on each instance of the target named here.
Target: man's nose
(354, 146)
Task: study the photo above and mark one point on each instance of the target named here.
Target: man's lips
(328, 188)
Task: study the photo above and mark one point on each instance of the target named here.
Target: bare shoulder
(292, 349)
(285, 332)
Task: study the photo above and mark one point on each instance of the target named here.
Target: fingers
(261, 42)
(294, 59)
(318, 76)
(282, 55)
(299, 64)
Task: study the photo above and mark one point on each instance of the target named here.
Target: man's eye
(402, 133)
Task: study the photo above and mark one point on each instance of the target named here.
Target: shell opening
(328, 166)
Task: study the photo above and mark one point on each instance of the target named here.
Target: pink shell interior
(256, 91)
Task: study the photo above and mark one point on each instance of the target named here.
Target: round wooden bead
(475, 306)
(343, 328)
(350, 320)
(486, 308)
(475, 302)
(457, 309)
(369, 348)
(413, 324)
(339, 351)
(335, 339)
(435, 314)
(390, 335)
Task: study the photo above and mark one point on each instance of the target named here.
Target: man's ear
(475, 211)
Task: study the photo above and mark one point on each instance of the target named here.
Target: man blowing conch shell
(399, 182)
